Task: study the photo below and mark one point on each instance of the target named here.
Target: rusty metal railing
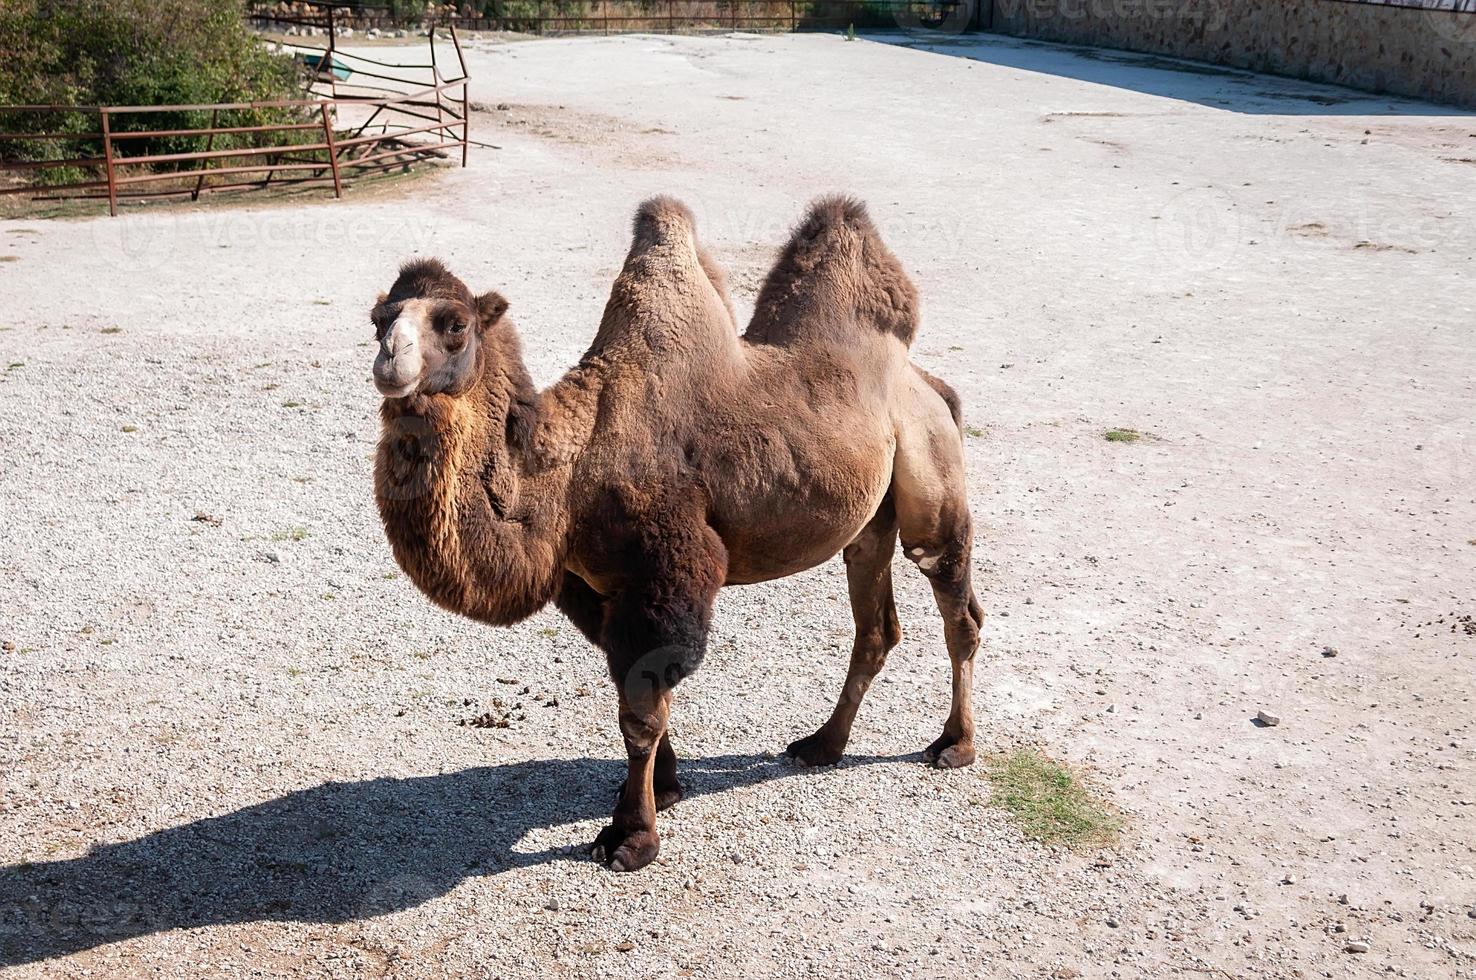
(356, 130)
(619, 16)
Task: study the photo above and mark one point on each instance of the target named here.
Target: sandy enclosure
(231, 737)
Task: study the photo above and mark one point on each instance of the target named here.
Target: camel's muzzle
(397, 366)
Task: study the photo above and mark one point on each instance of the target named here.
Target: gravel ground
(233, 739)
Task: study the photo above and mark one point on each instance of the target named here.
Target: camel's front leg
(631, 842)
(586, 609)
(654, 634)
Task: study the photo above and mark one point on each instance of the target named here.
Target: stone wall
(1379, 47)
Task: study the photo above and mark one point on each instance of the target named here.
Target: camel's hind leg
(869, 578)
(937, 535)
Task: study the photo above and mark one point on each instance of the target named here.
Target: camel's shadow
(333, 853)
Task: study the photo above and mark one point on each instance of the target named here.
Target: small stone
(1329, 651)
(1199, 716)
(270, 557)
(1113, 923)
(625, 946)
(1268, 719)
(1471, 913)
(1356, 946)
(552, 904)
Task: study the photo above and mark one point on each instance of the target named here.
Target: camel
(676, 458)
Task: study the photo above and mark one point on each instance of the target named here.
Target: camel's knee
(642, 731)
(941, 561)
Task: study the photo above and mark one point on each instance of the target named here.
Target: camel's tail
(946, 392)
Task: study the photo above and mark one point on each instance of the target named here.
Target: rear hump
(835, 263)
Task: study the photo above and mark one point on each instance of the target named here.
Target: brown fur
(679, 457)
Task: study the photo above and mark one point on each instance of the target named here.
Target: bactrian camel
(679, 457)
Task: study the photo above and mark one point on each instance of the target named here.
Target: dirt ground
(233, 739)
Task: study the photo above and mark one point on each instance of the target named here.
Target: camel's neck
(473, 489)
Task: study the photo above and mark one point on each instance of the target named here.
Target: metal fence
(387, 118)
(625, 16)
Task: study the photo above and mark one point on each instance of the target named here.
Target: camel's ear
(490, 307)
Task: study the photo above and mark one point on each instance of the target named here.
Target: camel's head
(430, 330)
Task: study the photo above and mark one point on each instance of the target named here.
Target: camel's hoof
(665, 797)
(625, 850)
(949, 752)
(816, 750)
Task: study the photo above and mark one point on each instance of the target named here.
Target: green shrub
(136, 52)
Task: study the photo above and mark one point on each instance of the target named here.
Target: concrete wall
(1424, 53)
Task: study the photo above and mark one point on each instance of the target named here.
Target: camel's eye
(457, 326)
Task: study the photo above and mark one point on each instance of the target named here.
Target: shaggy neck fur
(473, 488)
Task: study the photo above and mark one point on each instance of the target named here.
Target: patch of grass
(1049, 802)
(111, 330)
(973, 432)
(292, 404)
(294, 671)
(130, 428)
(1122, 435)
(548, 631)
(291, 534)
(14, 364)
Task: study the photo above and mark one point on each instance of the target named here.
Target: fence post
(792, 15)
(107, 132)
(465, 96)
(333, 151)
(332, 42)
(205, 164)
